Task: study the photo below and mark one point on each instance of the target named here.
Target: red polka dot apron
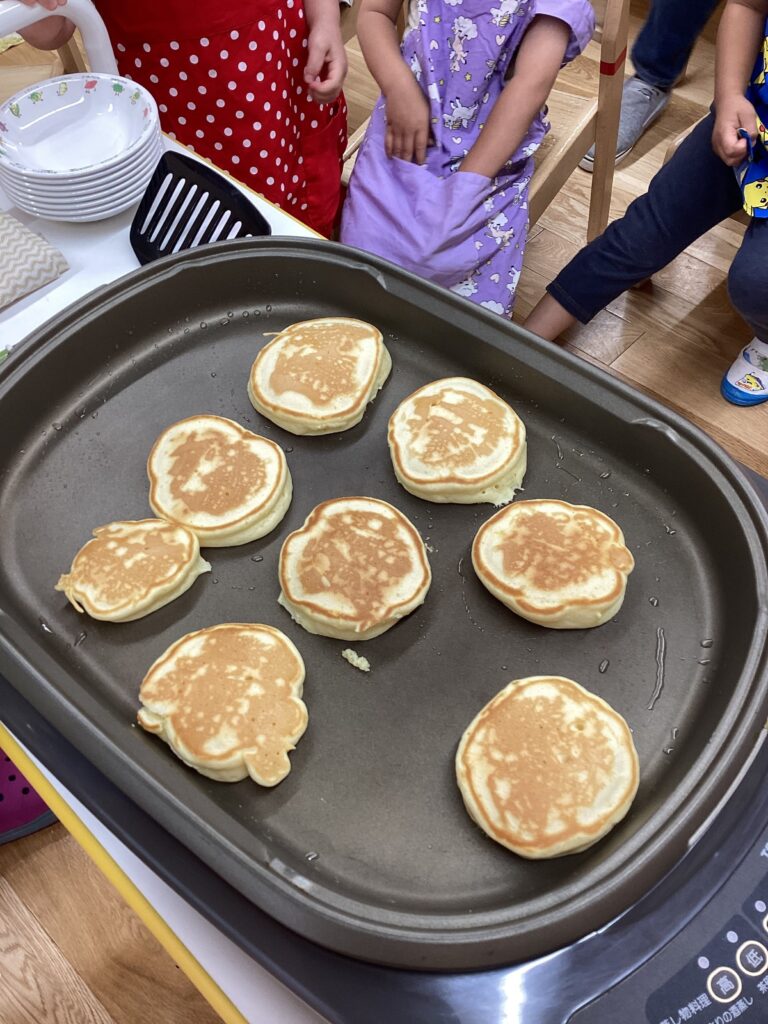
(228, 79)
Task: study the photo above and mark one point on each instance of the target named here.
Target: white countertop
(99, 253)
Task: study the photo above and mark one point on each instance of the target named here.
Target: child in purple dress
(441, 180)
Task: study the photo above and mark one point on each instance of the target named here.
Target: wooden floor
(70, 950)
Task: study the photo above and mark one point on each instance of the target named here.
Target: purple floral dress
(464, 231)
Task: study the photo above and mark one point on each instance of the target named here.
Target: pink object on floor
(22, 811)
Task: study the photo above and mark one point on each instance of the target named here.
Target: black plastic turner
(187, 204)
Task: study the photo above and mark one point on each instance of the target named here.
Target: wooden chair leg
(606, 133)
(71, 58)
(613, 55)
(350, 154)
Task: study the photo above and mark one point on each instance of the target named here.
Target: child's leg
(21, 809)
(746, 382)
(549, 319)
(665, 41)
(687, 197)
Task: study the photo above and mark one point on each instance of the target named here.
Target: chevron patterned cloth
(27, 261)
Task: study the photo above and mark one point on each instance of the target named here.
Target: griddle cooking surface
(366, 846)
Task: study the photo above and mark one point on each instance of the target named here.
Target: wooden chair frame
(71, 58)
(598, 126)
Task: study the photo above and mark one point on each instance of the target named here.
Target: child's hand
(326, 66)
(732, 114)
(407, 121)
(49, 33)
(49, 5)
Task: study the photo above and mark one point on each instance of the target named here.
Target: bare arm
(538, 62)
(50, 33)
(326, 66)
(377, 32)
(738, 41)
(406, 105)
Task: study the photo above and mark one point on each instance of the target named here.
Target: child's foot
(641, 104)
(21, 810)
(746, 382)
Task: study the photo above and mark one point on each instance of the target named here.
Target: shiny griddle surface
(366, 847)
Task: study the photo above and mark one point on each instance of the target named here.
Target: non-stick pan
(366, 847)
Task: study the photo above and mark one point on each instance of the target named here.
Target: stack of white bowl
(79, 147)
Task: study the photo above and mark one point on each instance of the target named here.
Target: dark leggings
(667, 37)
(688, 196)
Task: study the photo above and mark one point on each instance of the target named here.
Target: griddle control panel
(714, 971)
(727, 981)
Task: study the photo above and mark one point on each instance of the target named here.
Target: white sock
(749, 371)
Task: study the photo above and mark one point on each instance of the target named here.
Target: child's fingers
(324, 95)
(325, 81)
(406, 148)
(389, 142)
(315, 59)
(320, 91)
(727, 144)
(732, 151)
(334, 79)
(420, 145)
(735, 148)
(747, 118)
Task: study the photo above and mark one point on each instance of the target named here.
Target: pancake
(218, 479)
(316, 377)
(547, 768)
(454, 440)
(355, 568)
(130, 569)
(556, 564)
(227, 701)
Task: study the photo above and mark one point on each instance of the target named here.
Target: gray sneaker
(641, 104)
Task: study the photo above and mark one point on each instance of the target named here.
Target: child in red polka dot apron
(255, 87)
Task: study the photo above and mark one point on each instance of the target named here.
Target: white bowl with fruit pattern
(76, 126)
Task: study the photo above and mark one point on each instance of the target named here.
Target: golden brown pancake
(547, 768)
(455, 440)
(316, 377)
(556, 564)
(132, 568)
(227, 700)
(355, 568)
(218, 479)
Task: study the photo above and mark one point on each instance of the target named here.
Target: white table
(99, 253)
